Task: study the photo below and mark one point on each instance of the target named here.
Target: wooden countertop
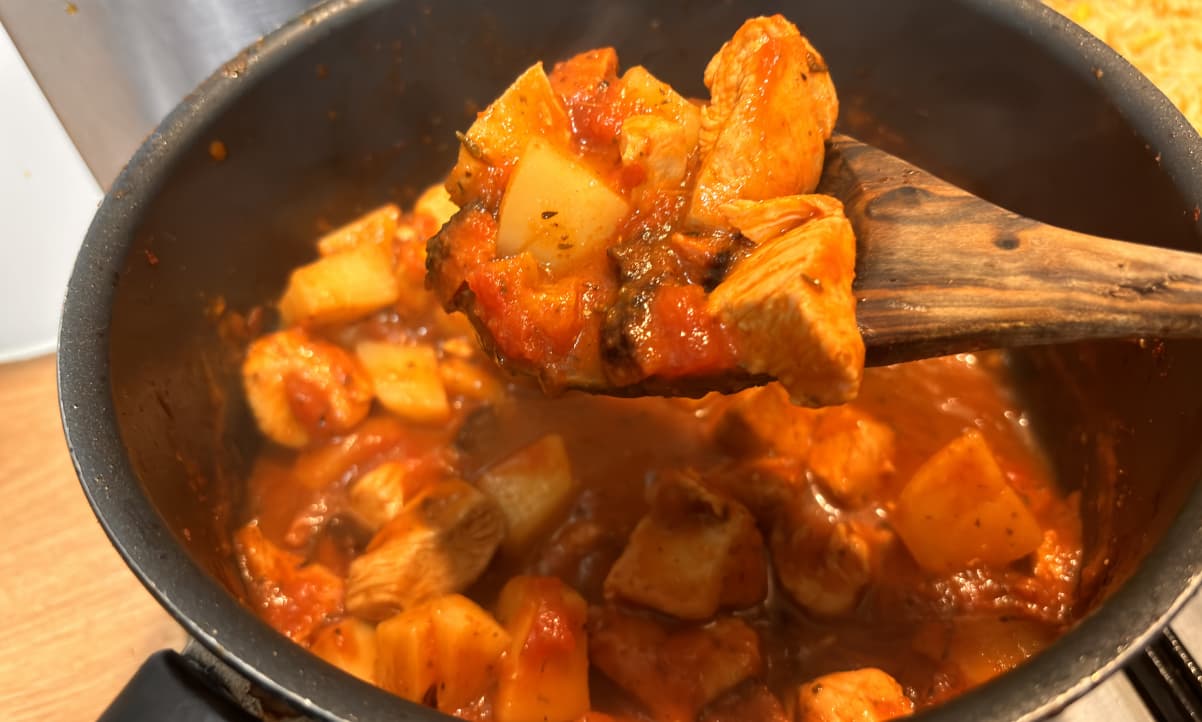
(77, 624)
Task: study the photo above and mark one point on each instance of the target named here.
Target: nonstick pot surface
(355, 103)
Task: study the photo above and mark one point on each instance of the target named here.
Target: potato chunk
(447, 647)
(958, 510)
(349, 645)
(340, 287)
(557, 210)
(440, 543)
(533, 488)
(694, 552)
(673, 674)
(980, 647)
(528, 109)
(861, 695)
(406, 379)
(984, 647)
(376, 228)
(544, 675)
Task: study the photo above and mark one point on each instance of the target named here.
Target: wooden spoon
(939, 270)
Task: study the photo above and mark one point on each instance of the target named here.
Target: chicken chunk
(660, 137)
(823, 572)
(851, 456)
(674, 674)
(694, 553)
(825, 562)
(295, 598)
(659, 147)
(789, 303)
(439, 544)
(861, 695)
(763, 421)
(301, 388)
(376, 439)
(772, 108)
(378, 496)
(766, 485)
(846, 451)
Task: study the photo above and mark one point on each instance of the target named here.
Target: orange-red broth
(936, 634)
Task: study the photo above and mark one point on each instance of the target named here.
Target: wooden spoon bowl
(940, 271)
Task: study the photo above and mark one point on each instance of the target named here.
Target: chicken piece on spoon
(617, 237)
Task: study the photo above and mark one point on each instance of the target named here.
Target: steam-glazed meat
(695, 552)
(674, 674)
(861, 695)
(772, 106)
(619, 238)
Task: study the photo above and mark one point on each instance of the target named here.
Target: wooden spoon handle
(941, 271)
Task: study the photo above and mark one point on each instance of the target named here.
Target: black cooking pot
(356, 103)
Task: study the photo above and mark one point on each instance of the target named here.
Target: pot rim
(1094, 648)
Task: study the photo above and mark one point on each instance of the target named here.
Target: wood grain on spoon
(939, 270)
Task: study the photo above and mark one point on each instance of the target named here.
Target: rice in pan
(1163, 38)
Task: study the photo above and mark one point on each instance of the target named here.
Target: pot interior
(361, 109)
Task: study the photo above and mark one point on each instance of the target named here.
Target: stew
(435, 525)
